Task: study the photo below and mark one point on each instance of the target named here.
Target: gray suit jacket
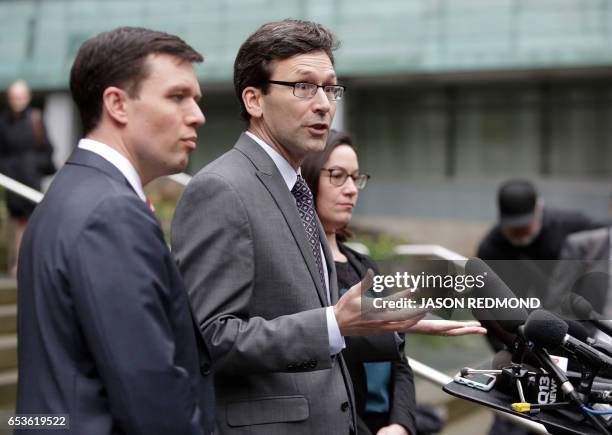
(253, 282)
(583, 269)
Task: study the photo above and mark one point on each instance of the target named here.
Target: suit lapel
(90, 159)
(331, 266)
(271, 178)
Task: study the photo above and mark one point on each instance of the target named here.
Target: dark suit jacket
(256, 291)
(583, 269)
(104, 324)
(401, 388)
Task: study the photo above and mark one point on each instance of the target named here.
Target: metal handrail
(430, 251)
(182, 178)
(20, 189)
(36, 197)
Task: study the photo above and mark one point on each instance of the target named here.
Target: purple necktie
(305, 205)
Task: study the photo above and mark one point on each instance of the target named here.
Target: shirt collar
(288, 173)
(118, 160)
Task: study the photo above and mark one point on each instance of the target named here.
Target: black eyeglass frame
(360, 180)
(313, 91)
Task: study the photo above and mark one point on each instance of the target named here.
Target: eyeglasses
(338, 176)
(309, 90)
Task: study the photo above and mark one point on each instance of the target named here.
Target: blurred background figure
(26, 155)
(384, 390)
(585, 270)
(532, 235)
(527, 229)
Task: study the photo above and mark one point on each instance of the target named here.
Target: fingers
(396, 326)
(451, 324)
(473, 330)
(380, 327)
(367, 282)
(446, 328)
(397, 315)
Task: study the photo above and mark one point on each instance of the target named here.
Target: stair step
(8, 319)
(8, 351)
(8, 291)
(8, 388)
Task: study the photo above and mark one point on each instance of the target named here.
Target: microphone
(501, 322)
(567, 388)
(577, 330)
(583, 309)
(508, 318)
(550, 332)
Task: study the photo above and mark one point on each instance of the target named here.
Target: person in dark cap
(528, 230)
(520, 213)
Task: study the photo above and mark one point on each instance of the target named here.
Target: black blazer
(105, 329)
(402, 394)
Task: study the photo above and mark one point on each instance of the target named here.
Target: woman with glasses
(384, 391)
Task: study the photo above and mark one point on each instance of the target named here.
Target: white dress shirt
(336, 341)
(118, 160)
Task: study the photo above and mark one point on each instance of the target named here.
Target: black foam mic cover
(545, 329)
(508, 318)
(577, 330)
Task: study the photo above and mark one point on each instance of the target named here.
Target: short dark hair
(277, 41)
(313, 163)
(118, 58)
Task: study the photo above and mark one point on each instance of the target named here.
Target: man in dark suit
(253, 253)
(105, 330)
(584, 269)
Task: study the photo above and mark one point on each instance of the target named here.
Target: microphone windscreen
(577, 330)
(494, 287)
(545, 329)
(579, 306)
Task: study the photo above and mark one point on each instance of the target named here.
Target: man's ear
(253, 101)
(115, 104)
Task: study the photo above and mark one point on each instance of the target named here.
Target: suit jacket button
(344, 406)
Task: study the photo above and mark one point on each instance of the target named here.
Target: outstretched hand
(355, 321)
(392, 429)
(447, 328)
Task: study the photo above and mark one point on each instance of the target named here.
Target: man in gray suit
(253, 253)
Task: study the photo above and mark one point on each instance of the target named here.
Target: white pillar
(339, 120)
(59, 118)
